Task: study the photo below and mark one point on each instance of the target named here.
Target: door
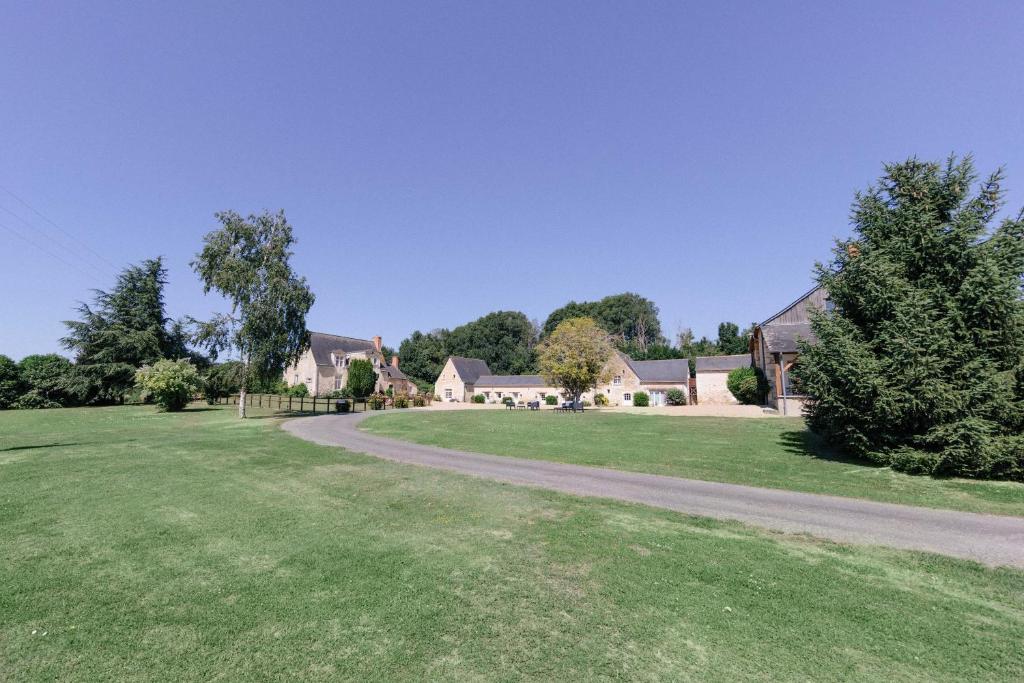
(657, 398)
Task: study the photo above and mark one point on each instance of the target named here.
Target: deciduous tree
(248, 261)
(575, 356)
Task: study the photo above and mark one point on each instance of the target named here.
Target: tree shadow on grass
(42, 445)
(807, 443)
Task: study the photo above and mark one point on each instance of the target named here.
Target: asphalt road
(991, 539)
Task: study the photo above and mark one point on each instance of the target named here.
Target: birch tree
(247, 260)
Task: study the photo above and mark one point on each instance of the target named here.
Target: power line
(51, 222)
(45, 250)
(55, 242)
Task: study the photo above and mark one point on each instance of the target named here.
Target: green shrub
(11, 386)
(641, 399)
(377, 400)
(172, 383)
(32, 400)
(748, 385)
(509, 401)
(479, 398)
(551, 400)
(53, 381)
(297, 390)
(401, 400)
(675, 397)
(361, 377)
(600, 400)
(419, 401)
(223, 379)
(586, 403)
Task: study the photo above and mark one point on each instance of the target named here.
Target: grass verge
(775, 453)
(145, 546)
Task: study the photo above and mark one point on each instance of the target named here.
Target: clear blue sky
(442, 160)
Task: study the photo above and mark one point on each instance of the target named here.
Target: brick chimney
(376, 342)
(394, 361)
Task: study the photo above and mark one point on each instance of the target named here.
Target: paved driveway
(991, 539)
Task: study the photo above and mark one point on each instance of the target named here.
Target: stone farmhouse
(461, 378)
(773, 348)
(323, 368)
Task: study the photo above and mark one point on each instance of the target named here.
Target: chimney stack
(394, 361)
(376, 342)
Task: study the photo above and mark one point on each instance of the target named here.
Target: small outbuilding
(712, 373)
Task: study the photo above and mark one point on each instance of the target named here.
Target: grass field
(776, 453)
(144, 546)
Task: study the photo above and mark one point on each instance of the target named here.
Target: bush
(361, 377)
(551, 400)
(172, 383)
(479, 398)
(600, 400)
(419, 401)
(377, 400)
(11, 386)
(401, 400)
(748, 385)
(641, 399)
(53, 382)
(675, 397)
(32, 400)
(223, 379)
(297, 390)
(508, 400)
(585, 403)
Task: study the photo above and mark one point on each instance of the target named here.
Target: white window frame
(617, 380)
(627, 397)
(447, 393)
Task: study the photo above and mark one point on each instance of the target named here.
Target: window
(617, 380)
(542, 394)
(627, 397)
(447, 393)
(337, 383)
(295, 380)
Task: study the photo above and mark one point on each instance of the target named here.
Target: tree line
(126, 347)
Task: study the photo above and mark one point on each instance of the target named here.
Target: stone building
(712, 373)
(461, 378)
(457, 380)
(323, 368)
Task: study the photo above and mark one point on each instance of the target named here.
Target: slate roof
(510, 381)
(469, 369)
(392, 372)
(782, 338)
(722, 363)
(674, 370)
(322, 345)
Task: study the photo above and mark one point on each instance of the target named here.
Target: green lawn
(144, 546)
(776, 453)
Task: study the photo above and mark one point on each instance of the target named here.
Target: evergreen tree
(122, 330)
(919, 363)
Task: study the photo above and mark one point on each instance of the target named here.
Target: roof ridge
(791, 305)
(341, 336)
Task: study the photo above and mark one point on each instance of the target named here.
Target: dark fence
(298, 404)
